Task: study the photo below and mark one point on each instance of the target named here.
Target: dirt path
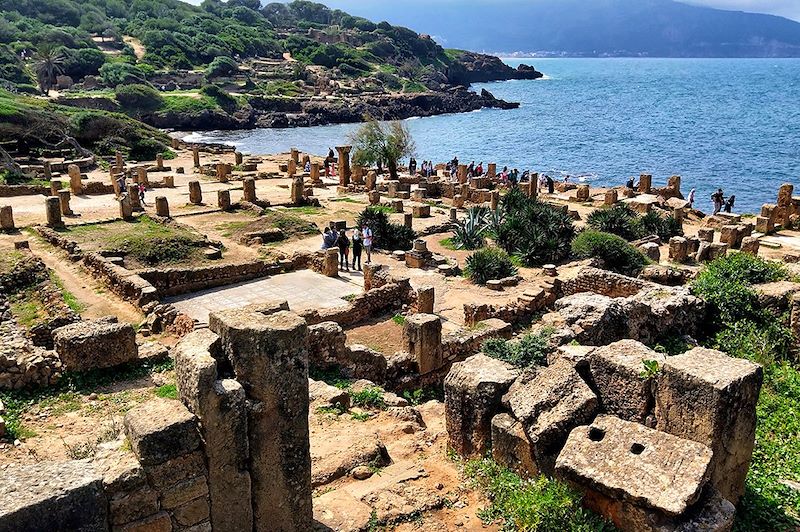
(98, 301)
(136, 44)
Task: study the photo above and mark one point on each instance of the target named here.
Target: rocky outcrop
(477, 68)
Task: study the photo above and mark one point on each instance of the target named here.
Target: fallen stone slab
(338, 463)
(510, 446)
(549, 406)
(52, 496)
(323, 395)
(631, 462)
(161, 430)
(86, 345)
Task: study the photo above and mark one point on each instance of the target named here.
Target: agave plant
(537, 233)
(470, 233)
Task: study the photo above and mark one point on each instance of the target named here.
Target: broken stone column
(458, 201)
(47, 169)
(55, 186)
(453, 214)
(422, 335)
(249, 190)
(142, 176)
(119, 162)
(238, 158)
(162, 207)
(331, 264)
(196, 156)
(291, 168)
(133, 194)
(392, 187)
(462, 173)
(268, 354)
(63, 201)
(678, 249)
(611, 197)
(705, 234)
(344, 164)
(708, 397)
(582, 193)
(674, 183)
(357, 174)
(195, 193)
(315, 179)
(75, 185)
(750, 244)
(159, 163)
(297, 191)
(220, 404)
(473, 392)
(222, 173)
(53, 210)
(224, 199)
(6, 218)
(374, 197)
(169, 181)
(425, 299)
(491, 172)
(372, 180)
(125, 208)
(495, 200)
(294, 154)
(408, 220)
(645, 183)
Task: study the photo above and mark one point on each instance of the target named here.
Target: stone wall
(519, 313)
(603, 282)
(375, 302)
(10, 191)
(175, 281)
(123, 282)
(22, 364)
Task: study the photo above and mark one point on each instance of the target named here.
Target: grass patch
(343, 200)
(9, 260)
(167, 391)
(369, 397)
(17, 402)
(350, 297)
(399, 319)
(360, 416)
(447, 243)
(28, 309)
(69, 298)
(307, 210)
(536, 505)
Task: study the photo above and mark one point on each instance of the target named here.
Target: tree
(375, 142)
(48, 63)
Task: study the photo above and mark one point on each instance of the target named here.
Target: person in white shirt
(366, 237)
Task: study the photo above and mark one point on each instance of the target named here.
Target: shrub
(221, 66)
(468, 234)
(138, 97)
(82, 62)
(386, 235)
(619, 220)
(530, 350)
(653, 223)
(536, 232)
(489, 263)
(618, 255)
(113, 74)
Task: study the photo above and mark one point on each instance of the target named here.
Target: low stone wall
(22, 364)
(375, 302)
(10, 191)
(175, 281)
(58, 240)
(58, 315)
(123, 282)
(519, 313)
(27, 272)
(605, 283)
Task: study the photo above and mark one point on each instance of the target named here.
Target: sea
(718, 123)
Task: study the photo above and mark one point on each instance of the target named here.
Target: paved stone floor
(302, 289)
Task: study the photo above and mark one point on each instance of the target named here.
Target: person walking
(344, 250)
(691, 198)
(718, 198)
(366, 237)
(730, 203)
(550, 184)
(358, 244)
(141, 194)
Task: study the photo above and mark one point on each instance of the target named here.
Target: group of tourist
(360, 240)
(122, 184)
(720, 203)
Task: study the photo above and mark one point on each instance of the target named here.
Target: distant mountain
(657, 28)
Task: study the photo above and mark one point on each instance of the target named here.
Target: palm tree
(49, 63)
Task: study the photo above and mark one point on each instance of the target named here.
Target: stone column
(249, 190)
(495, 199)
(224, 199)
(133, 194)
(6, 218)
(425, 299)
(784, 210)
(53, 209)
(372, 180)
(142, 173)
(357, 175)
(63, 201)
(408, 220)
(291, 168)
(344, 164)
(159, 163)
(453, 214)
(330, 267)
(169, 181)
(195, 193)
(374, 197)
(392, 187)
(196, 156)
(55, 186)
(492, 171)
(269, 357)
(162, 207)
(674, 183)
(315, 174)
(294, 154)
(125, 208)
(611, 197)
(645, 183)
(297, 191)
(47, 169)
(462, 173)
(238, 158)
(75, 185)
(422, 335)
(119, 162)
(582, 193)
(175, 143)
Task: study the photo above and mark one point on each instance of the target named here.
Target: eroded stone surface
(628, 461)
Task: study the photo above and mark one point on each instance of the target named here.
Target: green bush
(469, 232)
(113, 74)
(386, 235)
(536, 232)
(618, 255)
(82, 62)
(489, 263)
(626, 223)
(138, 98)
(221, 66)
(653, 223)
(530, 350)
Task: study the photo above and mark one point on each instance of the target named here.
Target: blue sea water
(730, 123)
